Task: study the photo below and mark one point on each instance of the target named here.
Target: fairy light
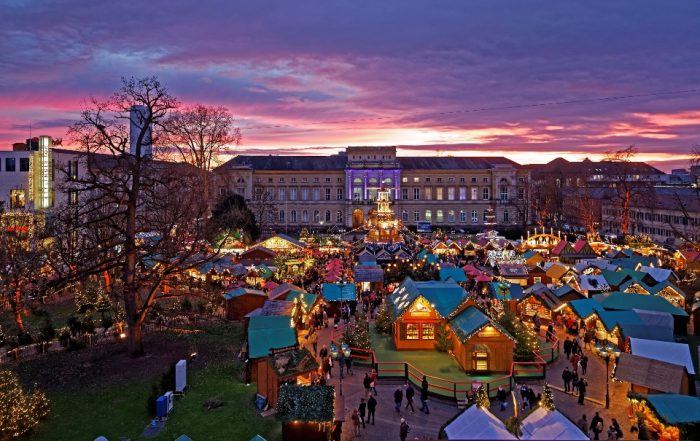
(19, 411)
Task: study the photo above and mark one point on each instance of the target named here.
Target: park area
(100, 390)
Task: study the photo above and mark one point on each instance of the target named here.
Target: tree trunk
(135, 339)
(17, 308)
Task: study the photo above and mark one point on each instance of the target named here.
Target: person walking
(373, 382)
(582, 424)
(523, 396)
(567, 347)
(566, 376)
(614, 431)
(313, 339)
(574, 362)
(582, 390)
(398, 398)
(550, 332)
(367, 382)
(410, 392)
(362, 409)
(502, 395)
(356, 422)
(371, 408)
(584, 364)
(323, 353)
(348, 365)
(596, 426)
(403, 430)
(424, 396)
(341, 363)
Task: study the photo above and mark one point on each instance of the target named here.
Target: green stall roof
(339, 292)
(675, 408)
(269, 332)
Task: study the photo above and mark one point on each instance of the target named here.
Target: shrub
(443, 339)
(74, 344)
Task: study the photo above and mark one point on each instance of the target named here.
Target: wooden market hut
(257, 255)
(455, 274)
(620, 301)
(264, 334)
(284, 366)
(513, 272)
(241, 301)
(649, 376)
(281, 243)
(479, 344)
(336, 294)
(567, 293)
(539, 299)
(537, 274)
(368, 275)
(307, 412)
(559, 273)
(670, 417)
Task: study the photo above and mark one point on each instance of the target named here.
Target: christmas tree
(482, 400)
(19, 411)
(547, 400)
(513, 425)
(356, 334)
(384, 319)
(443, 339)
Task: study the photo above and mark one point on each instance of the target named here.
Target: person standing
(371, 408)
(582, 424)
(410, 392)
(366, 382)
(584, 364)
(341, 363)
(373, 382)
(566, 376)
(567, 347)
(537, 324)
(424, 396)
(502, 395)
(348, 365)
(523, 396)
(403, 430)
(362, 409)
(582, 390)
(398, 398)
(574, 362)
(614, 432)
(596, 426)
(356, 422)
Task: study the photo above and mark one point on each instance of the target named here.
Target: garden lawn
(119, 410)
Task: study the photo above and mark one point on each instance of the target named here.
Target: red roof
(691, 256)
(579, 244)
(561, 246)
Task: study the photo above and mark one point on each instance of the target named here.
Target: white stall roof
(477, 423)
(550, 425)
(675, 353)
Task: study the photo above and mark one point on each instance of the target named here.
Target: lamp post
(607, 380)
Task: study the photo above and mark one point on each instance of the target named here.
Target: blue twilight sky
(313, 76)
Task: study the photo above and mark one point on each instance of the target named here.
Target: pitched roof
(291, 163)
(669, 352)
(675, 408)
(453, 163)
(470, 320)
(339, 292)
(228, 295)
(476, 423)
(273, 307)
(269, 332)
(512, 269)
(506, 290)
(443, 296)
(283, 289)
(293, 362)
(566, 289)
(550, 425)
(584, 308)
(456, 274)
(590, 282)
(556, 270)
(368, 272)
(650, 373)
(560, 247)
(543, 294)
(627, 301)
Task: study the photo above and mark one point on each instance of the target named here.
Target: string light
(20, 412)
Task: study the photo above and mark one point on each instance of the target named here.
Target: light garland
(19, 412)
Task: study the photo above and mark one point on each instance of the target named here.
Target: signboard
(423, 227)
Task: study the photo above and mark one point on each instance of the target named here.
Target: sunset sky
(460, 77)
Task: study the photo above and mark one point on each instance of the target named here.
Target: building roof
(566, 289)
(456, 274)
(590, 282)
(509, 269)
(675, 408)
(556, 270)
(627, 301)
(668, 352)
(306, 298)
(550, 425)
(444, 297)
(368, 272)
(283, 289)
(506, 290)
(273, 307)
(477, 423)
(228, 295)
(543, 294)
(584, 308)
(471, 320)
(339, 292)
(293, 362)
(269, 332)
(650, 373)
(453, 163)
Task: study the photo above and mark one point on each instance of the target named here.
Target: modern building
(341, 189)
(27, 175)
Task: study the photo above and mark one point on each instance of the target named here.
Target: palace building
(341, 190)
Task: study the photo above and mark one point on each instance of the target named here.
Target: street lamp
(607, 380)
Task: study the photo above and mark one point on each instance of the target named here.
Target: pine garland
(547, 400)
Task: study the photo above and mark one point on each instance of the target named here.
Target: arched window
(328, 216)
(317, 216)
(451, 216)
(339, 217)
(387, 182)
(293, 216)
(281, 216)
(357, 181)
(305, 216)
(373, 182)
(404, 216)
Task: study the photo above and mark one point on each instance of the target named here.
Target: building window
(404, 216)
(427, 179)
(317, 194)
(293, 216)
(439, 180)
(339, 180)
(428, 193)
(24, 164)
(428, 331)
(293, 179)
(485, 193)
(416, 216)
(304, 194)
(462, 193)
(339, 217)
(283, 194)
(475, 216)
(428, 215)
(404, 194)
(486, 180)
(521, 193)
(281, 216)
(450, 179)
(328, 194)
(281, 180)
(10, 164)
(480, 360)
(462, 216)
(72, 170)
(328, 179)
(439, 216)
(356, 194)
(328, 216)
(404, 179)
(304, 180)
(506, 217)
(304, 216)
(451, 216)
(473, 179)
(504, 193)
(317, 216)
(292, 194)
(475, 193)
(438, 193)
(416, 194)
(412, 331)
(269, 180)
(316, 181)
(462, 179)
(485, 213)
(416, 179)
(451, 194)
(339, 193)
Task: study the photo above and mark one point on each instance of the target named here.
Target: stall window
(411, 331)
(480, 361)
(428, 331)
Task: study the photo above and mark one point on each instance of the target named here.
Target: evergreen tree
(19, 411)
(383, 320)
(513, 425)
(526, 342)
(482, 399)
(356, 334)
(443, 338)
(547, 400)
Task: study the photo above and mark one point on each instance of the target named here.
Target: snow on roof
(477, 423)
(550, 425)
(675, 353)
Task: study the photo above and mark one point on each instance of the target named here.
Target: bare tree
(201, 134)
(128, 212)
(626, 182)
(264, 207)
